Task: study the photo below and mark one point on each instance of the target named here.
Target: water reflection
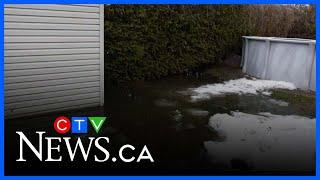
(180, 132)
(264, 141)
(186, 137)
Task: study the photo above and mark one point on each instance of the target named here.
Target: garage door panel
(45, 101)
(37, 65)
(46, 39)
(43, 77)
(19, 92)
(57, 45)
(61, 32)
(53, 58)
(52, 71)
(15, 25)
(34, 84)
(52, 107)
(39, 19)
(39, 52)
(49, 58)
(49, 13)
(69, 92)
(55, 7)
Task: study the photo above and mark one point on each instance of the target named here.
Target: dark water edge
(176, 131)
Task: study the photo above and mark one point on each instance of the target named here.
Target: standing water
(191, 128)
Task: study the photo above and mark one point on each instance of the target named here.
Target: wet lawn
(182, 135)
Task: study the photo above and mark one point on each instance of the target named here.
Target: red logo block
(62, 125)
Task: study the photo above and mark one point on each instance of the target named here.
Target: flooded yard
(193, 131)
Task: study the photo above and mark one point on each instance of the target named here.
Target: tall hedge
(152, 41)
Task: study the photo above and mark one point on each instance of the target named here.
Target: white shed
(54, 58)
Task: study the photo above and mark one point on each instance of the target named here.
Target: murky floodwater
(228, 134)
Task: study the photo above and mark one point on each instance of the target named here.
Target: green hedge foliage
(149, 42)
(153, 41)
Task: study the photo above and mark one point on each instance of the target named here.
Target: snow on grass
(238, 86)
(278, 102)
(266, 93)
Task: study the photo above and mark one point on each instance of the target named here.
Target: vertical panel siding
(53, 58)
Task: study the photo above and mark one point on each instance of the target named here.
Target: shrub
(152, 41)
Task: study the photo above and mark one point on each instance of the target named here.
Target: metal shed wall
(282, 59)
(53, 58)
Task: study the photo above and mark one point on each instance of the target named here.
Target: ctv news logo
(49, 148)
(79, 125)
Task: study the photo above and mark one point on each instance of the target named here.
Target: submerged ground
(267, 132)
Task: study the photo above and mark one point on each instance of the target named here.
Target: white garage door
(53, 58)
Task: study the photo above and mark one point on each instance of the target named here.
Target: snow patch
(278, 102)
(238, 86)
(266, 93)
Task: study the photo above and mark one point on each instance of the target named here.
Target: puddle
(164, 103)
(179, 132)
(197, 112)
(264, 141)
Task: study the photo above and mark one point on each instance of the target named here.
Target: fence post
(243, 52)
(244, 69)
(266, 62)
(312, 52)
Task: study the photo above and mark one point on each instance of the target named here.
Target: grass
(303, 101)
